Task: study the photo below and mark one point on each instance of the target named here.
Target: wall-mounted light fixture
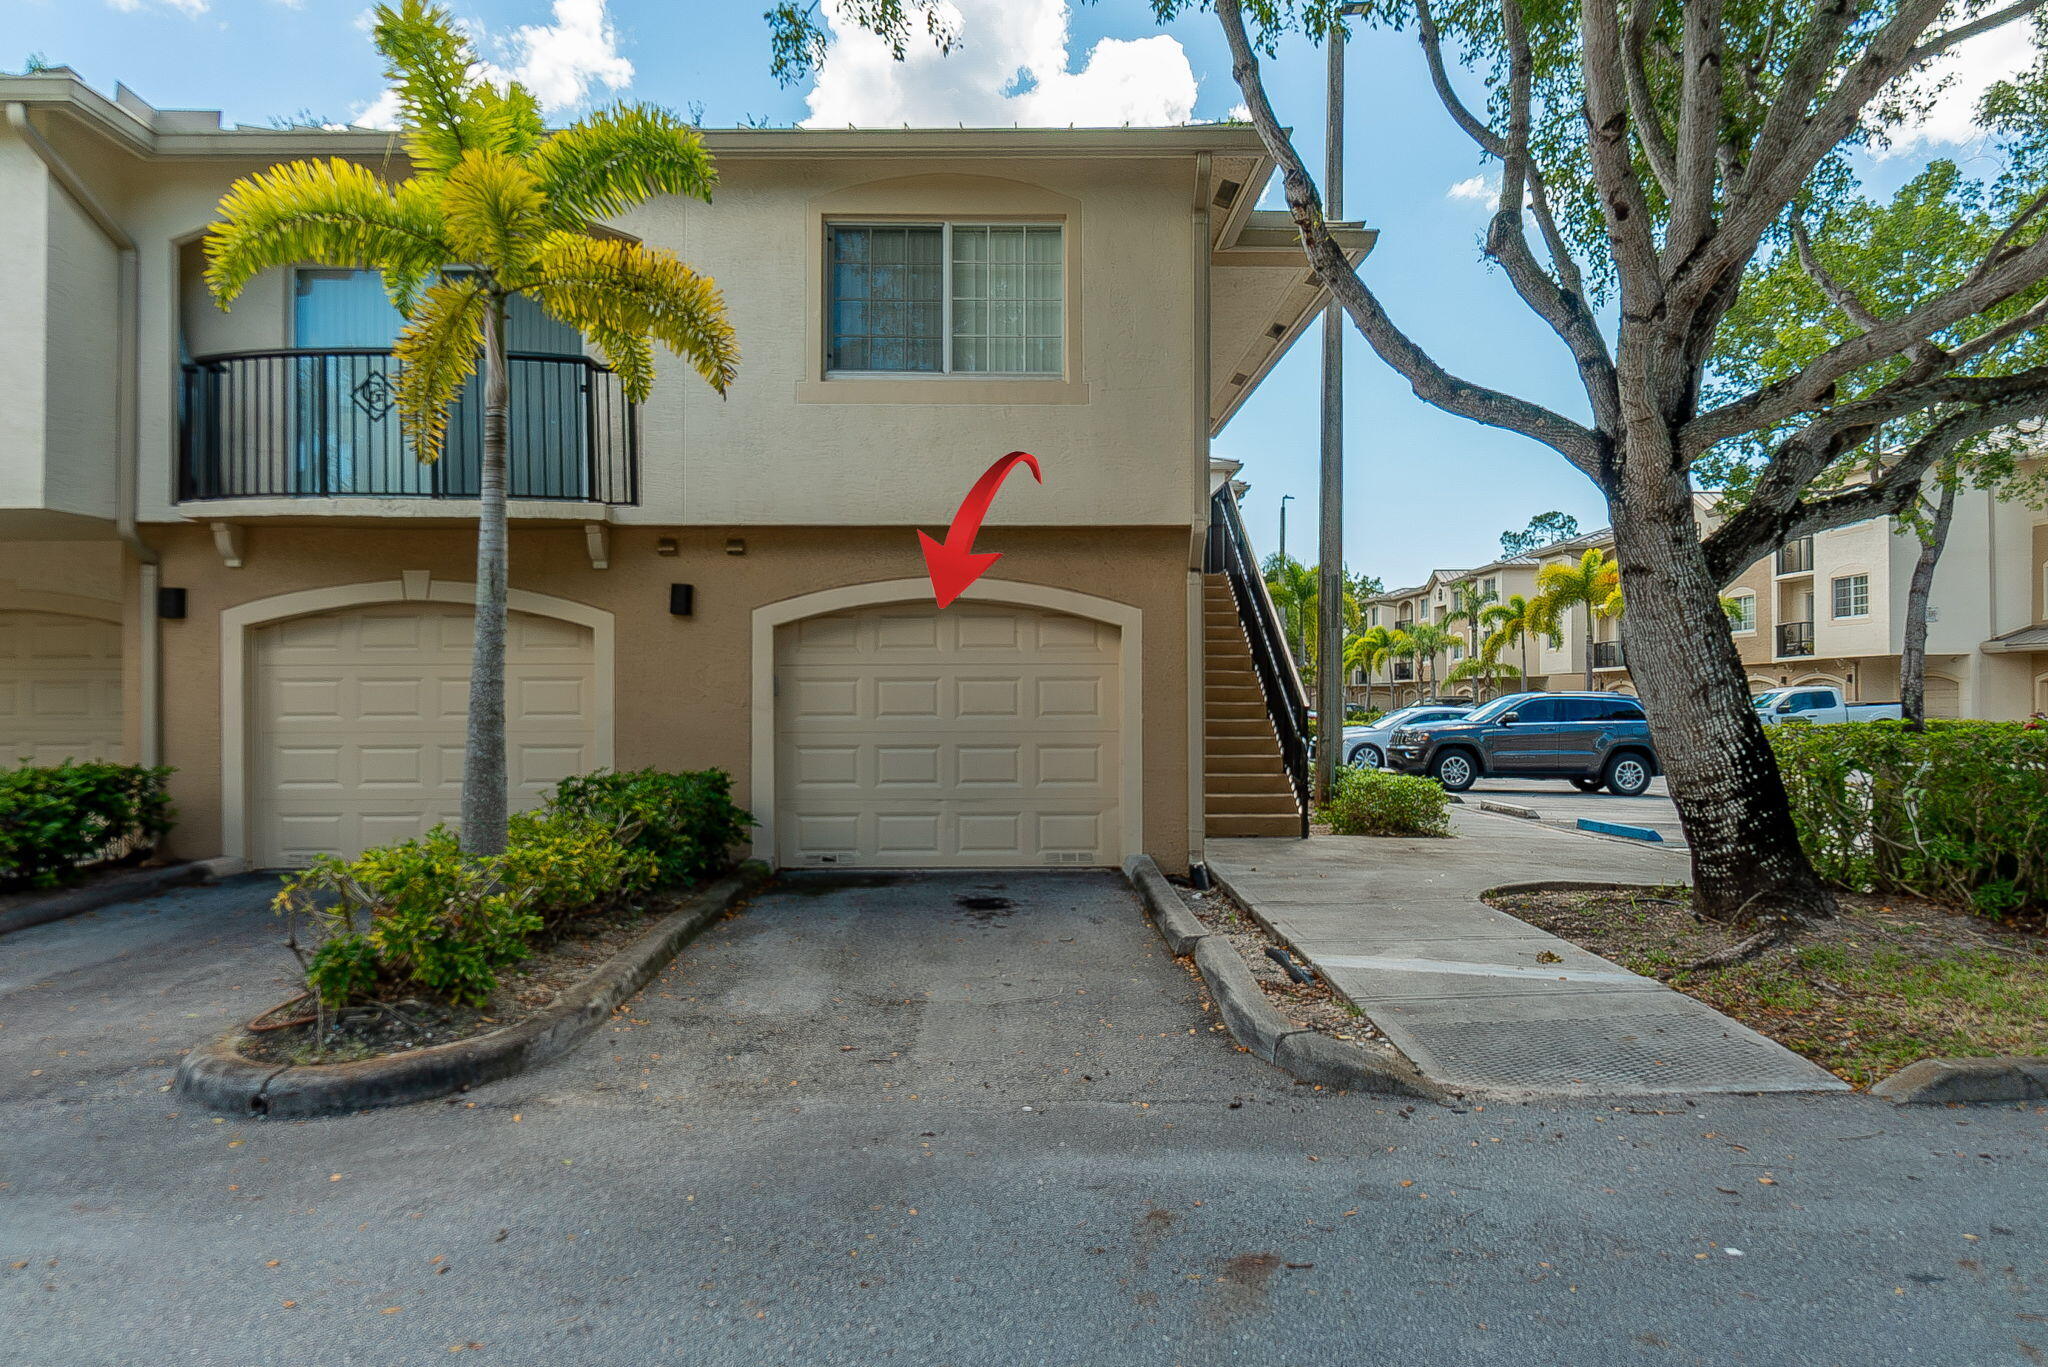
(735, 545)
(170, 604)
(667, 546)
(682, 599)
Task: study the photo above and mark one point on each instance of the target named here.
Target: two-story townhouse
(217, 552)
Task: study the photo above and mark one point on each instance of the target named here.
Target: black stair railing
(1230, 555)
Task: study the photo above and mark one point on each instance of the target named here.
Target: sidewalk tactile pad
(1657, 1053)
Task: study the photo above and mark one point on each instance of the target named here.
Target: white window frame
(1834, 586)
(946, 371)
(1738, 629)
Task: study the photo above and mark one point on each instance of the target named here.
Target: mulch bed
(1889, 981)
(1309, 1006)
(524, 990)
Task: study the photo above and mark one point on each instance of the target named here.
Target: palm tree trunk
(1913, 656)
(483, 762)
(1522, 637)
(1589, 647)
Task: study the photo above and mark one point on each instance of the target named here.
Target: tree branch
(1629, 227)
(1429, 380)
(1649, 125)
(1699, 129)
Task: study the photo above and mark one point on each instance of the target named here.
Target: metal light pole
(1285, 499)
(1330, 569)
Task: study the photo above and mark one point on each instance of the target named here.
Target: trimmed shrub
(1380, 802)
(416, 918)
(56, 822)
(687, 822)
(1958, 813)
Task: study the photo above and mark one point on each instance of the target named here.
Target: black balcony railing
(1404, 672)
(324, 424)
(1796, 557)
(1608, 655)
(1795, 638)
(1229, 553)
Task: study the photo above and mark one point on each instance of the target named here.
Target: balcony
(1795, 638)
(1404, 672)
(324, 424)
(1796, 557)
(1608, 655)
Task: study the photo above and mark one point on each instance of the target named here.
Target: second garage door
(358, 718)
(60, 688)
(982, 736)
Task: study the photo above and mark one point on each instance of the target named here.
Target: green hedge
(416, 918)
(1958, 813)
(1379, 802)
(56, 822)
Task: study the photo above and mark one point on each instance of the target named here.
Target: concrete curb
(1253, 1020)
(1510, 809)
(1934, 1081)
(218, 1077)
(40, 908)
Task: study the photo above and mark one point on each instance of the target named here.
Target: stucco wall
(789, 446)
(82, 325)
(684, 684)
(24, 236)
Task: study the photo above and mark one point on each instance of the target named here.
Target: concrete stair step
(1271, 782)
(1254, 804)
(1263, 746)
(1223, 826)
(1265, 762)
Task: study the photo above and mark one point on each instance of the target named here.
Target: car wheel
(1367, 757)
(1628, 775)
(1587, 785)
(1455, 770)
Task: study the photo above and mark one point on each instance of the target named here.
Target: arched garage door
(1943, 697)
(357, 722)
(60, 688)
(981, 736)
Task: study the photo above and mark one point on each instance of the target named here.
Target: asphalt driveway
(948, 1120)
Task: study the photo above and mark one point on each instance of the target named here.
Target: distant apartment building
(1825, 609)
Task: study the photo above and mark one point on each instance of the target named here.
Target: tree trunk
(1747, 865)
(1913, 657)
(1589, 645)
(483, 761)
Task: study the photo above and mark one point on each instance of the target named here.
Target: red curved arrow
(956, 564)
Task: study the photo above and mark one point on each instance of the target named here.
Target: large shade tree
(1648, 156)
(495, 206)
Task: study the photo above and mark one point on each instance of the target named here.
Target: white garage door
(358, 723)
(60, 688)
(1942, 697)
(981, 736)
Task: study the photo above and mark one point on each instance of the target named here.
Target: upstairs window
(946, 299)
(1852, 595)
(1743, 618)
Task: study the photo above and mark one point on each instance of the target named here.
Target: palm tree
(1484, 667)
(1515, 621)
(1593, 582)
(1427, 641)
(1367, 651)
(1468, 605)
(1292, 586)
(496, 206)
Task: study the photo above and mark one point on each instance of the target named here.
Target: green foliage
(1544, 529)
(1379, 802)
(421, 918)
(687, 822)
(56, 821)
(1958, 814)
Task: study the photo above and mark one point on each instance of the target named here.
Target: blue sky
(1422, 488)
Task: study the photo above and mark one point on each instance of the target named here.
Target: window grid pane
(1745, 613)
(1007, 300)
(888, 294)
(1852, 595)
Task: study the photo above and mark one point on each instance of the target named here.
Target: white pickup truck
(1817, 705)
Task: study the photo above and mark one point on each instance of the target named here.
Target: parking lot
(1556, 802)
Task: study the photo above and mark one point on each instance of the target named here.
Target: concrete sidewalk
(1471, 994)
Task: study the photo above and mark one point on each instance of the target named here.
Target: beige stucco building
(1831, 609)
(216, 552)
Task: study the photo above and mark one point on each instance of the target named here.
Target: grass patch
(1889, 982)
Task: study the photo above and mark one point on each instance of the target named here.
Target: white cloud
(1482, 188)
(1010, 67)
(1240, 113)
(1972, 67)
(558, 62)
(190, 8)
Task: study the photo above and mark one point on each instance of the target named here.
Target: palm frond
(493, 208)
(594, 283)
(615, 158)
(331, 213)
(437, 354)
(631, 357)
(446, 106)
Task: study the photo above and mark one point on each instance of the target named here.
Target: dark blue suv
(1593, 740)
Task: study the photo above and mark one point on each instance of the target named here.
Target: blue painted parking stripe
(1587, 823)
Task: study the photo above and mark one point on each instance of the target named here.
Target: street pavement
(948, 1120)
(1559, 804)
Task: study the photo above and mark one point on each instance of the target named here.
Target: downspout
(127, 464)
(1198, 703)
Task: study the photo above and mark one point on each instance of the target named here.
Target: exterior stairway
(1245, 789)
